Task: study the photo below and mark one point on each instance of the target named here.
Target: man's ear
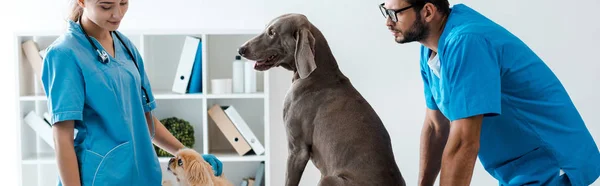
(305, 53)
(428, 11)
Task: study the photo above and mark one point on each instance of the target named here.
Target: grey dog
(327, 119)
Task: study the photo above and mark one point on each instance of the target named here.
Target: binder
(244, 129)
(260, 174)
(33, 55)
(186, 62)
(195, 85)
(40, 127)
(48, 120)
(234, 137)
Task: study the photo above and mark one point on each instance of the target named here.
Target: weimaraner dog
(326, 118)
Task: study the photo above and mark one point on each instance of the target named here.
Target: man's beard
(417, 32)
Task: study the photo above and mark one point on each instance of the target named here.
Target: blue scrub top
(113, 145)
(532, 129)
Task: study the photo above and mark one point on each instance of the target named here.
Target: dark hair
(442, 5)
(76, 11)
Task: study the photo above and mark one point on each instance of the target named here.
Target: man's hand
(216, 164)
(461, 151)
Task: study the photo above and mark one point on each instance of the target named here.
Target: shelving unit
(161, 51)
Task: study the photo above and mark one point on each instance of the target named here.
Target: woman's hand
(216, 164)
(166, 141)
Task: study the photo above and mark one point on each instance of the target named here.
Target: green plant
(181, 129)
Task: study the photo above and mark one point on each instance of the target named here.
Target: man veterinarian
(488, 94)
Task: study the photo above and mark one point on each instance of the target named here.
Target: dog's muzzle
(168, 165)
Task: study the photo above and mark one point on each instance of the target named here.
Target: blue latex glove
(216, 164)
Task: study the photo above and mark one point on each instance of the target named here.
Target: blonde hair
(76, 11)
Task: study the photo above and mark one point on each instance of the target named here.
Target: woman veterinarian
(95, 82)
(488, 94)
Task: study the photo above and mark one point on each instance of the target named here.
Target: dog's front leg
(296, 163)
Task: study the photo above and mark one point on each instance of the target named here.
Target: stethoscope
(104, 59)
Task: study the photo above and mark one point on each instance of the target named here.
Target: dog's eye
(271, 32)
(179, 162)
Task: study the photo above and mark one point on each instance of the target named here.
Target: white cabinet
(161, 52)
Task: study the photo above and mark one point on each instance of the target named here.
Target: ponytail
(76, 11)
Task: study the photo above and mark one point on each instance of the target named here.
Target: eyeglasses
(391, 12)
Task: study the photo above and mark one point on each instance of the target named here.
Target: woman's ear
(81, 3)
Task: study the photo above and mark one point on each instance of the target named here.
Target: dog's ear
(195, 174)
(305, 53)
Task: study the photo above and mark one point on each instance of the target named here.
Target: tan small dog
(191, 170)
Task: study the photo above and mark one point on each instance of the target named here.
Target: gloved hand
(216, 164)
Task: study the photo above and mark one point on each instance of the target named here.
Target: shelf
(208, 31)
(235, 96)
(231, 157)
(227, 158)
(42, 158)
(33, 98)
(165, 95)
(161, 51)
(50, 158)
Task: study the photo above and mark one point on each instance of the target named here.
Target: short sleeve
(149, 104)
(63, 84)
(471, 82)
(429, 101)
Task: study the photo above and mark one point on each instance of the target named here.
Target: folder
(32, 53)
(195, 85)
(228, 129)
(186, 63)
(48, 120)
(260, 174)
(244, 129)
(40, 127)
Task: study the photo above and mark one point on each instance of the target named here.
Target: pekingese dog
(191, 170)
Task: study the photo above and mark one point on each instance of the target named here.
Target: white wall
(389, 77)
(561, 33)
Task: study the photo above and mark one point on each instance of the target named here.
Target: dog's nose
(242, 50)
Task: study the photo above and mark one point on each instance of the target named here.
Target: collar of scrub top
(104, 59)
(104, 56)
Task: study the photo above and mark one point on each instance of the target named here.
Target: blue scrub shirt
(532, 129)
(113, 145)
